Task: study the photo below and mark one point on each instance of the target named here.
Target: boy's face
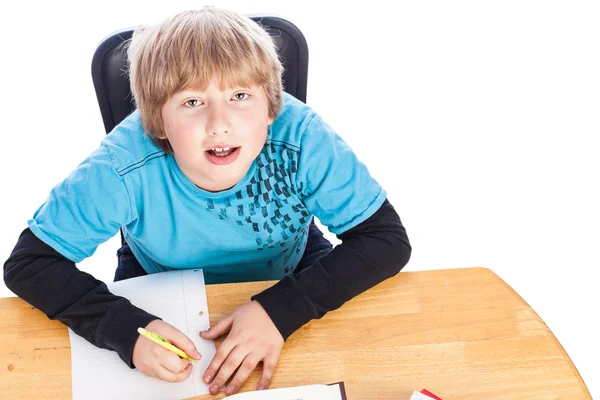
(216, 135)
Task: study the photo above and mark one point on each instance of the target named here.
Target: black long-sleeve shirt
(371, 252)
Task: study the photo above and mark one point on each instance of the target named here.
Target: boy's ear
(270, 121)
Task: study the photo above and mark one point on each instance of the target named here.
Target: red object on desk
(428, 393)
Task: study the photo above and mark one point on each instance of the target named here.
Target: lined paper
(178, 297)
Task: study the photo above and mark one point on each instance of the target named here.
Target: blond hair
(193, 48)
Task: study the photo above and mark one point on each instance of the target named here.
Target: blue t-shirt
(257, 230)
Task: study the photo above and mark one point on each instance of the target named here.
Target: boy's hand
(252, 338)
(154, 360)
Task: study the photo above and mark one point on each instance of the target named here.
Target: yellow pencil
(156, 338)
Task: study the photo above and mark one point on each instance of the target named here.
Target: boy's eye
(192, 103)
(241, 96)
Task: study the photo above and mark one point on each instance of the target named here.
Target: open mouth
(223, 155)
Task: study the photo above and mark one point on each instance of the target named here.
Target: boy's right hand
(158, 362)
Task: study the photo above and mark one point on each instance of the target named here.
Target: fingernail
(197, 355)
(261, 387)
(230, 390)
(214, 389)
(206, 378)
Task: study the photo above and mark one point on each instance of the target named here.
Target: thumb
(179, 339)
(220, 328)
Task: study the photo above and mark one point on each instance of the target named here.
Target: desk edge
(561, 348)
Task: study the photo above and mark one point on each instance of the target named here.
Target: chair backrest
(111, 81)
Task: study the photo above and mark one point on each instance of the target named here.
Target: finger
(268, 368)
(250, 362)
(219, 329)
(176, 337)
(221, 355)
(166, 375)
(233, 361)
(172, 362)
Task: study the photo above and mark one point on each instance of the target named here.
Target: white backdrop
(479, 118)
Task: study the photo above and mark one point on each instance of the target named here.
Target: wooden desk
(462, 333)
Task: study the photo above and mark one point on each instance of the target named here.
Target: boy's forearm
(53, 284)
(371, 252)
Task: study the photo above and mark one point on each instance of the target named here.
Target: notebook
(334, 391)
(179, 298)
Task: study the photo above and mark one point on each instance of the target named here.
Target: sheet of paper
(179, 298)
(308, 392)
(419, 396)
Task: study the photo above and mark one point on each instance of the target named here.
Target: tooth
(225, 148)
(218, 149)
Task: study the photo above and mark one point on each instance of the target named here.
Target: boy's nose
(218, 122)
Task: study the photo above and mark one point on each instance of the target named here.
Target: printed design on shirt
(275, 214)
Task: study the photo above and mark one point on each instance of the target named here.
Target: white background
(480, 119)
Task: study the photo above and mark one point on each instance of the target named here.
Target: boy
(217, 168)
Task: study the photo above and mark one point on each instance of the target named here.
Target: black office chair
(111, 81)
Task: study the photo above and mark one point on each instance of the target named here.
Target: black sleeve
(371, 252)
(50, 282)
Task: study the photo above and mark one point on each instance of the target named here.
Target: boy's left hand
(252, 338)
